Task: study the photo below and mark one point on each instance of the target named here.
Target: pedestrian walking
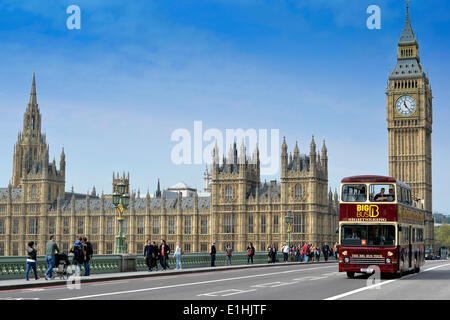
(148, 254)
(305, 251)
(163, 254)
(168, 257)
(31, 261)
(269, 254)
(326, 251)
(312, 251)
(297, 253)
(274, 253)
(285, 250)
(154, 256)
(317, 254)
(250, 252)
(50, 248)
(89, 254)
(79, 255)
(228, 252)
(212, 253)
(177, 255)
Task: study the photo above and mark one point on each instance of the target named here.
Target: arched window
(34, 192)
(228, 192)
(298, 191)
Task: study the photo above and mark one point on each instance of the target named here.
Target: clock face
(405, 106)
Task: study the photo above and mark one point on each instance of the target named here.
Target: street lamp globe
(125, 200)
(288, 217)
(116, 199)
(120, 188)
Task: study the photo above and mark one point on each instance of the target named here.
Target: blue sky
(113, 92)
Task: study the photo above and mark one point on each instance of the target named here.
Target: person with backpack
(250, 252)
(79, 255)
(31, 261)
(228, 252)
(89, 254)
(177, 255)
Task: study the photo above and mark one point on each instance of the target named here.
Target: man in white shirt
(285, 249)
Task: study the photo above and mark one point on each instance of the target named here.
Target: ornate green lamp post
(121, 200)
(288, 218)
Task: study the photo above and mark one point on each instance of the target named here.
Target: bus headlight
(346, 260)
(390, 254)
(344, 253)
(388, 260)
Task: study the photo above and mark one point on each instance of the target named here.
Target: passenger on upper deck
(391, 195)
(381, 196)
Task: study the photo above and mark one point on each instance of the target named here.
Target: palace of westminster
(235, 208)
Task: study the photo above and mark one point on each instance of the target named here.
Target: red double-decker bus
(380, 225)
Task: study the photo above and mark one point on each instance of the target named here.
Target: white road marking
(331, 273)
(339, 296)
(104, 284)
(193, 283)
(8, 298)
(272, 284)
(317, 278)
(308, 278)
(224, 293)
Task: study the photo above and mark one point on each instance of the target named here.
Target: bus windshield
(368, 235)
(354, 193)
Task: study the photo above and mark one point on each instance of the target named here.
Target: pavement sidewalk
(23, 284)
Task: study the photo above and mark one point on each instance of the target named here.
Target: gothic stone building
(239, 209)
(409, 108)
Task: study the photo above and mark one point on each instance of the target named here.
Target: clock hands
(404, 102)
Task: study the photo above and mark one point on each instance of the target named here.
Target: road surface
(294, 282)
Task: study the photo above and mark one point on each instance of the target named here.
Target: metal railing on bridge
(14, 267)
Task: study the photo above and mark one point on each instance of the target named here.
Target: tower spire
(408, 34)
(33, 100)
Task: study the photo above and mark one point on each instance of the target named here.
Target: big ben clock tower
(409, 122)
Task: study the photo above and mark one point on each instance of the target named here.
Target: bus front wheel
(350, 275)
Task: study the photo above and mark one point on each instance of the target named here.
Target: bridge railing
(14, 267)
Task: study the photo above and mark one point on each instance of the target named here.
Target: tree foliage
(442, 235)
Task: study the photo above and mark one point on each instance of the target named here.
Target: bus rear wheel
(350, 274)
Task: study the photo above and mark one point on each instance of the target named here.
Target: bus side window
(399, 194)
(409, 197)
(419, 235)
(413, 237)
(405, 195)
(406, 233)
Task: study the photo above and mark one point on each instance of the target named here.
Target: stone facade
(238, 209)
(409, 132)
